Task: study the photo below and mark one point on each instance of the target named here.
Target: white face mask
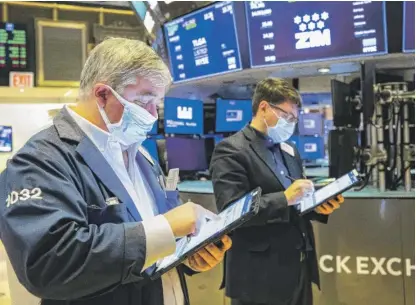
(134, 124)
(282, 131)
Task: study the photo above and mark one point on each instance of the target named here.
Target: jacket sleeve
(312, 216)
(55, 253)
(231, 182)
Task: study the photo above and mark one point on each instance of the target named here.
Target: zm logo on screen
(184, 113)
(312, 32)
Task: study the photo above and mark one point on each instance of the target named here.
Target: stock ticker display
(203, 43)
(408, 26)
(13, 46)
(283, 32)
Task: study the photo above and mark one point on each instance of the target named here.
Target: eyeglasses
(286, 115)
(144, 100)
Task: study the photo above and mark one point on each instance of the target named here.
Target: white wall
(26, 120)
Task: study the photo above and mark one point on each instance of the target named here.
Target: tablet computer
(329, 191)
(211, 231)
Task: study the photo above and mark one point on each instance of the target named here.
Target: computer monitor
(341, 149)
(151, 146)
(186, 154)
(311, 148)
(232, 115)
(311, 124)
(344, 109)
(6, 142)
(183, 116)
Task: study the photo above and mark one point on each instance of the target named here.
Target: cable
(396, 183)
(366, 179)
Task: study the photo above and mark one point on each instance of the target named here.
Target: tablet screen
(209, 229)
(329, 191)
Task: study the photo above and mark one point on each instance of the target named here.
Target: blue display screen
(311, 148)
(298, 31)
(232, 115)
(203, 43)
(184, 116)
(311, 124)
(151, 146)
(6, 143)
(140, 8)
(408, 26)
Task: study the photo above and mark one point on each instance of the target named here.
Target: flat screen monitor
(151, 146)
(186, 154)
(232, 115)
(298, 31)
(311, 148)
(408, 26)
(311, 124)
(203, 43)
(6, 142)
(16, 50)
(183, 116)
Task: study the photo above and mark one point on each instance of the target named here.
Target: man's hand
(297, 190)
(330, 206)
(207, 258)
(186, 218)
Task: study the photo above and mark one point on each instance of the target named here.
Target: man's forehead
(144, 87)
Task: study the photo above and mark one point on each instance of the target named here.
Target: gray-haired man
(85, 214)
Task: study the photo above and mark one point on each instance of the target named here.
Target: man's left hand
(330, 206)
(210, 256)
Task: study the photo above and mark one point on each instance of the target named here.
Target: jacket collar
(69, 130)
(261, 144)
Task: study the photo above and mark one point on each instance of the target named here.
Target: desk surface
(205, 187)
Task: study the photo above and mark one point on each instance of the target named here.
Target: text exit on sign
(21, 79)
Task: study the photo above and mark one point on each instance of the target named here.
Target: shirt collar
(98, 136)
(267, 140)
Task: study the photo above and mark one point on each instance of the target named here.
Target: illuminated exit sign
(21, 79)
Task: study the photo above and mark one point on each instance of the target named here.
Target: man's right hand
(297, 190)
(187, 218)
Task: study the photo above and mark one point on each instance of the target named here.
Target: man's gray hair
(118, 62)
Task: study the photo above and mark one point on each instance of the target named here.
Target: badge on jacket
(287, 148)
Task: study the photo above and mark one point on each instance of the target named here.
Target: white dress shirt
(160, 241)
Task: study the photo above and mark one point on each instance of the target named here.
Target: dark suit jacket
(66, 244)
(263, 265)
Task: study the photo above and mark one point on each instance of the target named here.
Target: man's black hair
(275, 91)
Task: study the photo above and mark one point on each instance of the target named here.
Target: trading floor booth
(365, 252)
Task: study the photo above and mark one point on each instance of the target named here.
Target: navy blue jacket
(65, 243)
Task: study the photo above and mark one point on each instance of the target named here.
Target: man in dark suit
(273, 260)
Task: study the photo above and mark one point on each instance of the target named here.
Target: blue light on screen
(311, 148)
(203, 43)
(232, 115)
(183, 116)
(140, 8)
(408, 26)
(283, 32)
(6, 143)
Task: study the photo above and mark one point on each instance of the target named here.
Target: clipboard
(329, 191)
(236, 214)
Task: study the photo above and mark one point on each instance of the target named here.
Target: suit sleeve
(313, 216)
(231, 182)
(55, 253)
